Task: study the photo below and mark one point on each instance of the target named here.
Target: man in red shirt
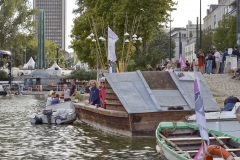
(102, 93)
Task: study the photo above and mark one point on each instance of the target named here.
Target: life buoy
(217, 150)
(37, 87)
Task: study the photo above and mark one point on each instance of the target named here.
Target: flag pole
(204, 149)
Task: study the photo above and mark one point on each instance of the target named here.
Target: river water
(22, 140)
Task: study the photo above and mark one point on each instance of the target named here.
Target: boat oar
(173, 145)
(223, 144)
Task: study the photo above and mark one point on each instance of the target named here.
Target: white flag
(199, 109)
(112, 39)
(86, 66)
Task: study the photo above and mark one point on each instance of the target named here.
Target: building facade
(55, 20)
(216, 12)
(179, 35)
(191, 32)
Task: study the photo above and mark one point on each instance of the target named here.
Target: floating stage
(138, 101)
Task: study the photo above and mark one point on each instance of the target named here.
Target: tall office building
(55, 20)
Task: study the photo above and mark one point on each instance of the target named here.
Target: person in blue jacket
(94, 94)
(56, 99)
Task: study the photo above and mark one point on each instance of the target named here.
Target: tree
(156, 51)
(136, 17)
(225, 34)
(15, 16)
(3, 75)
(16, 26)
(82, 75)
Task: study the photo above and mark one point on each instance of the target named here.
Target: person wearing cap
(49, 100)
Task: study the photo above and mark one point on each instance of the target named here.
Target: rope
(166, 132)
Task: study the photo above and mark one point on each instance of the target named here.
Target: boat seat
(196, 151)
(62, 111)
(196, 139)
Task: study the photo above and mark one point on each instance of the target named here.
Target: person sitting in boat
(102, 93)
(66, 93)
(49, 100)
(56, 100)
(94, 94)
(230, 102)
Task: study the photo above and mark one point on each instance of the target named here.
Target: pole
(25, 51)
(238, 18)
(200, 24)
(180, 44)
(197, 38)
(170, 46)
(57, 55)
(21, 57)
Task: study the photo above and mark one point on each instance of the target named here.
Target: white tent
(30, 64)
(55, 66)
(79, 64)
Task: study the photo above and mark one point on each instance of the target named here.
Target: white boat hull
(165, 153)
(56, 114)
(224, 121)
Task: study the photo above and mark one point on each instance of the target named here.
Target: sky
(189, 10)
(186, 10)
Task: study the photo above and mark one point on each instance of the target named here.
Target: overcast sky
(186, 10)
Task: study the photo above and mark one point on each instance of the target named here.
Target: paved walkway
(221, 86)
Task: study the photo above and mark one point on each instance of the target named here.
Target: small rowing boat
(181, 141)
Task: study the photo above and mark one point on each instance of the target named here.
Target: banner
(182, 62)
(200, 155)
(86, 66)
(199, 110)
(112, 39)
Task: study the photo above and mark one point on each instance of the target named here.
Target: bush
(81, 75)
(79, 97)
(3, 75)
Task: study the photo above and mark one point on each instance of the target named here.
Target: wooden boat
(138, 101)
(181, 141)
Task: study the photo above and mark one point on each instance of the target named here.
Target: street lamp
(57, 54)
(170, 44)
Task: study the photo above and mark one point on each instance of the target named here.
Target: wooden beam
(196, 139)
(223, 144)
(195, 151)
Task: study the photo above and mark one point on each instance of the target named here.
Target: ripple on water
(22, 140)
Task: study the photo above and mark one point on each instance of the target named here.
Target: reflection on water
(22, 140)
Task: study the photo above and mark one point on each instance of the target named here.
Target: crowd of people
(97, 95)
(213, 62)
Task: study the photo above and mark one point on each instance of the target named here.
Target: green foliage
(156, 50)
(225, 34)
(82, 75)
(79, 97)
(16, 26)
(135, 17)
(3, 75)
(51, 53)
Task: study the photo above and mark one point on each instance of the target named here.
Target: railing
(20, 88)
